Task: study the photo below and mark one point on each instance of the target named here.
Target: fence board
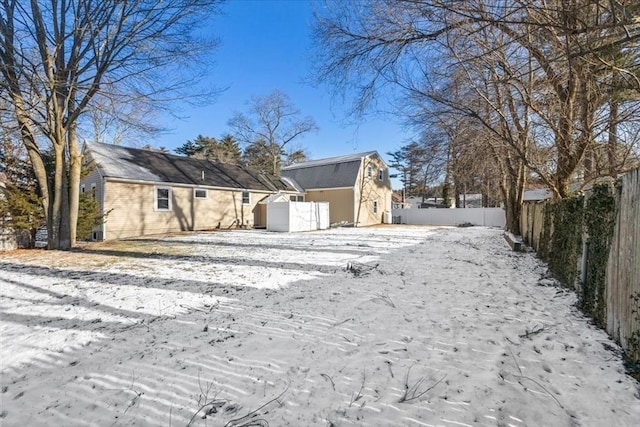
(622, 283)
(531, 222)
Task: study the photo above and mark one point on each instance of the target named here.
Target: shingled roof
(333, 172)
(115, 161)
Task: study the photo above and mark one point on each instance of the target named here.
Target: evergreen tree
(225, 150)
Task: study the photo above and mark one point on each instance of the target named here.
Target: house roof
(115, 161)
(537, 194)
(333, 172)
(277, 197)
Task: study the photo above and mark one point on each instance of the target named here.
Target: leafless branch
(413, 392)
(251, 419)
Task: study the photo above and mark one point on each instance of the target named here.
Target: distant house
(396, 201)
(537, 194)
(357, 186)
(150, 192)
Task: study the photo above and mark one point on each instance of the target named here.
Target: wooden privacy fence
(617, 299)
(622, 280)
(531, 222)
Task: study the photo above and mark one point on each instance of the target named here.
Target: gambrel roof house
(357, 186)
(151, 192)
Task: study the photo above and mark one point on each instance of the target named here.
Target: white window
(199, 194)
(163, 198)
(380, 174)
(246, 198)
(295, 198)
(93, 191)
(369, 171)
(375, 206)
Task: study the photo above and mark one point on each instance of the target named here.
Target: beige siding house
(148, 192)
(356, 186)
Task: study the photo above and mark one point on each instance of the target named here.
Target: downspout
(103, 206)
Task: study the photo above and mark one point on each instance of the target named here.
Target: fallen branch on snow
(534, 331)
(357, 396)
(205, 404)
(251, 419)
(531, 379)
(385, 299)
(413, 392)
(328, 378)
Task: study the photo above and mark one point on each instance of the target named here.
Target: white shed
(297, 216)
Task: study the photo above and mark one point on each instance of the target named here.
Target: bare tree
(271, 124)
(530, 74)
(58, 56)
(111, 121)
(420, 163)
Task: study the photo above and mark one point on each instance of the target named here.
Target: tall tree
(410, 160)
(58, 56)
(225, 150)
(529, 73)
(258, 156)
(271, 123)
(110, 121)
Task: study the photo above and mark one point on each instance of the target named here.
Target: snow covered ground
(386, 326)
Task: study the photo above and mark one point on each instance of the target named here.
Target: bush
(89, 216)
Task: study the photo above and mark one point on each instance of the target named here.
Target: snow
(383, 326)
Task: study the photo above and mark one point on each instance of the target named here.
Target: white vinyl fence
(492, 217)
(297, 216)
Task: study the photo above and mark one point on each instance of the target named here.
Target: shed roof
(136, 164)
(333, 172)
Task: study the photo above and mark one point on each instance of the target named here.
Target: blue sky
(266, 45)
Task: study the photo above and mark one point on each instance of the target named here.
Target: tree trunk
(35, 156)
(612, 142)
(53, 223)
(75, 168)
(512, 206)
(64, 236)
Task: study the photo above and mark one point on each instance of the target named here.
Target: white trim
(369, 170)
(381, 174)
(332, 160)
(103, 196)
(155, 198)
(195, 191)
(329, 189)
(242, 197)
